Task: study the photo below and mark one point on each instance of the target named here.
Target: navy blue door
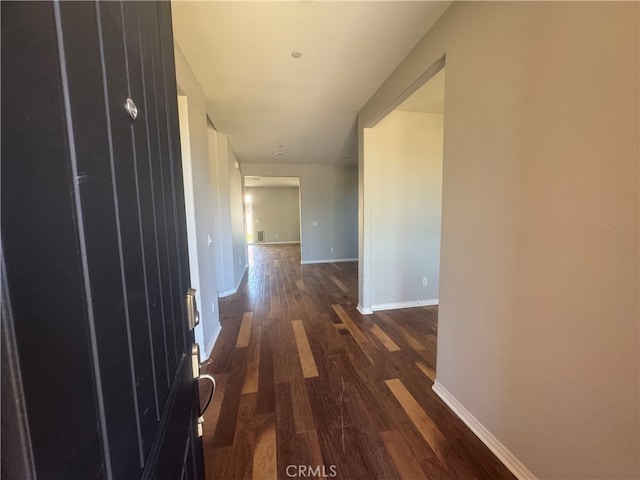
(94, 244)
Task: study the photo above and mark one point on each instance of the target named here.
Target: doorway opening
(248, 209)
(403, 165)
(272, 210)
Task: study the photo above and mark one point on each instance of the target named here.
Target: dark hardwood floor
(310, 388)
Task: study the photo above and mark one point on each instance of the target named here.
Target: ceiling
(279, 109)
(429, 98)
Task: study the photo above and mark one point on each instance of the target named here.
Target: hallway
(310, 388)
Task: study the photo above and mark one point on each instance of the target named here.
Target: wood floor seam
(310, 388)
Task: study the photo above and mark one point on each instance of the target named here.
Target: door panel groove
(162, 365)
(116, 206)
(82, 242)
(131, 79)
(93, 231)
(156, 182)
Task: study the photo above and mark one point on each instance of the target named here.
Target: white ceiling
(261, 97)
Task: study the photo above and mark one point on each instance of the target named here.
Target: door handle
(197, 376)
(206, 376)
(193, 316)
(200, 423)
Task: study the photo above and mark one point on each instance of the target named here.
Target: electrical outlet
(331, 249)
(425, 281)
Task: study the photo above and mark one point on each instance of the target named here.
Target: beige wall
(229, 241)
(201, 222)
(538, 329)
(239, 239)
(405, 166)
(328, 197)
(213, 195)
(276, 211)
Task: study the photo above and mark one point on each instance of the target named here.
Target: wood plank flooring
(310, 388)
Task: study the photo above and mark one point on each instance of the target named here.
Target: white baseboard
(364, 311)
(209, 347)
(274, 243)
(414, 303)
(227, 293)
(231, 292)
(333, 260)
(499, 450)
(244, 272)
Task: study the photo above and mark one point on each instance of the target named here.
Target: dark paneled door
(94, 246)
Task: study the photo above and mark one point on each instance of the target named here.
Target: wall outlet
(276, 235)
(425, 281)
(314, 223)
(331, 249)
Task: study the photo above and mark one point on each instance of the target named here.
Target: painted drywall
(406, 172)
(276, 212)
(218, 203)
(538, 327)
(328, 207)
(231, 249)
(198, 196)
(236, 204)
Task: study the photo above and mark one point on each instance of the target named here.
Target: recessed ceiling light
(279, 154)
(296, 54)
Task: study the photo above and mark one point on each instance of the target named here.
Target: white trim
(209, 348)
(365, 215)
(231, 292)
(334, 260)
(272, 243)
(504, 455)
(413, 303)
(364, 311)
(244, 272)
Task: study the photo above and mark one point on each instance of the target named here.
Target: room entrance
(272, 209)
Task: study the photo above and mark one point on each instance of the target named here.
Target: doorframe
(299, 187)
(365, 193)
(189, 204)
